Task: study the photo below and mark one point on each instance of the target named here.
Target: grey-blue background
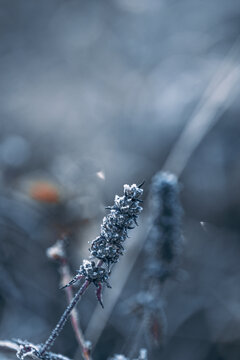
(95, 94)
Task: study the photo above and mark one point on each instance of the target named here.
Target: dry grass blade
(202, 122)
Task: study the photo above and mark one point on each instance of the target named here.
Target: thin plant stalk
(62, 321)
(57, 252)
(65, 272)
(50, 341)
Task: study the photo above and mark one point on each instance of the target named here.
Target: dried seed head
(108, 247)
(106, 251)
(114, 229)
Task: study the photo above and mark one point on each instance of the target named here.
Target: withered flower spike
(114, 229)
(107, 248)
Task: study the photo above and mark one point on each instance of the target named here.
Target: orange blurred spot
(44, 192)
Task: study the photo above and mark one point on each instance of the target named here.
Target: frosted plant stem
(50, 341)
(74, 317)
(58, 252)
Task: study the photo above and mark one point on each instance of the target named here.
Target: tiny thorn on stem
(99, 294)
(142, 183)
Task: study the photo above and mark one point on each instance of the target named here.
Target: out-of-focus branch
(161, 258)
(9, 345)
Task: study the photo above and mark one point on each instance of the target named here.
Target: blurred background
(96, 94)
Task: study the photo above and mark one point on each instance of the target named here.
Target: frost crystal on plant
(27, 349)
(93, 273)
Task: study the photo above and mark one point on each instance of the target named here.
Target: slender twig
(57, 252)
(58, 328)
(75, 324)
(50, 341)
